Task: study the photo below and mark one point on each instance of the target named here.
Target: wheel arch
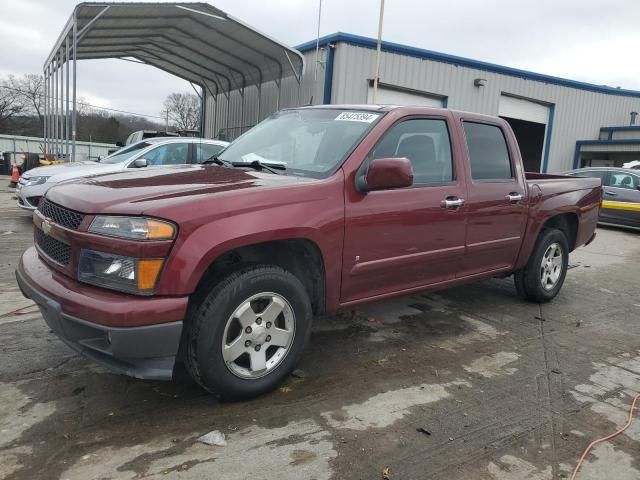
(567, 222)
(300, 256)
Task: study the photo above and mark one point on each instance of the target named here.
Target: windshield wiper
(217, 160)
(258, 165)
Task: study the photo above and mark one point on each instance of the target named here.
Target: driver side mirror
(386, 174)
(140, 162)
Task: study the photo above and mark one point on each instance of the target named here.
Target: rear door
(496, 199)
(620, 191)
(405, 238)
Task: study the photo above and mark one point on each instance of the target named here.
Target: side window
(426, 143)
(204, 151)
(170, 154)
(488, 152)
(623, 180)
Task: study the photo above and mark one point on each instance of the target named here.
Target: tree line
(22, 113)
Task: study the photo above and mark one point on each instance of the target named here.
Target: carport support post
(73, 113)
(61, 99)
(44, 118)
(66, 103)
(226, 124)
(259, 87)
(242, 110)
(55, 106)
(203, 109)
(279, 85)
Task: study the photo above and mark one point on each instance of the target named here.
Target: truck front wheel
(542, 278)
(248, 333)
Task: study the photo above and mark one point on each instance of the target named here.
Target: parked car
(140, 135)
(34, 183)
(312, 210)
(621, 205)
(635, 164)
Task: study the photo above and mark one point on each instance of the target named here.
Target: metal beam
(66, 103)
(75, 104)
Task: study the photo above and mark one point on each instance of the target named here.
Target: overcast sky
(590, 40)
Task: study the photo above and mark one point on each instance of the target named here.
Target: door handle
(514, 197)
(613, 194)
(452, 202)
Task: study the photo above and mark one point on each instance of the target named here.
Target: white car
(151, 152)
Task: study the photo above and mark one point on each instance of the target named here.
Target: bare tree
(12, 102)
(31, 88)
(182, 110)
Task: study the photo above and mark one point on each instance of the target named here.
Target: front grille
(60, 215)
(55, 249)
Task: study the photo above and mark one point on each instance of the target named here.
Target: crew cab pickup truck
(223, 266)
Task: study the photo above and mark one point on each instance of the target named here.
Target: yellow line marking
(632, 207)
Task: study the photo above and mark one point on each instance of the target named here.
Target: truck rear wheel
(248, 333)
(542, 278)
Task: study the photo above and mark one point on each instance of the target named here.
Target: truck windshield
(125, 153)
(308, 142)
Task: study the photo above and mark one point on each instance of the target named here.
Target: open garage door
(529, 122)
(393, 96)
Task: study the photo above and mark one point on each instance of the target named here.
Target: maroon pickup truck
(224, 265)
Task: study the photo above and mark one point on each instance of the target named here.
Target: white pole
(378, 52)
(315, 72)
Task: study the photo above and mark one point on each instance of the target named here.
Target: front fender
(321, 222)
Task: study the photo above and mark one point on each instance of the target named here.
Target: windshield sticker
(357, 117)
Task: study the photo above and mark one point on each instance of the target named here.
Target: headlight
(134, 228)
(126, 274)
(35, 181)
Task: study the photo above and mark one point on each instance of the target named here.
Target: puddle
(297, 450)
(493, 365)
(385, 408)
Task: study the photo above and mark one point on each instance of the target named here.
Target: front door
(401, 239)
(496, 201)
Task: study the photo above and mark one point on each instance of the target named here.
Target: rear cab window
(489, 157)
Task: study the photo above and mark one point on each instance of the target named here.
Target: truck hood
(149, 189)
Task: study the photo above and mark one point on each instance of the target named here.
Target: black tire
(528, 280)
(206, 322)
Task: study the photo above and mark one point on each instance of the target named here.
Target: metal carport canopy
(194, 41)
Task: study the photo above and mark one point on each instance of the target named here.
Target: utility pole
(378, 52)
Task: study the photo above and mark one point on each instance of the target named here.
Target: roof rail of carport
(194, 41)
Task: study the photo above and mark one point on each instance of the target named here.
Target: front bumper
(28, 197)
(147, 351)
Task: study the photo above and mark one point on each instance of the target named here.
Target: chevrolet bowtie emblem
(46, 226)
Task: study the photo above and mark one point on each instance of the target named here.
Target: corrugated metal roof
(194, 41)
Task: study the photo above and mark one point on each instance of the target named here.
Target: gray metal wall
(219, 123)
(578, 114)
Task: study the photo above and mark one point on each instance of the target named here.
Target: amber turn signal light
(148, 271)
